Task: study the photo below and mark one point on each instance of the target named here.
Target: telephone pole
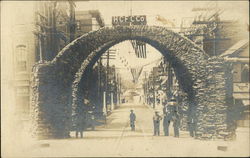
(170, 81)
(107, 80)
(154, 89)
(72, 20)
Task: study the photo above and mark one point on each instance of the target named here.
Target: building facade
(238, 55)
(230, 40)
(38, 34)
(87, 21)
(55, 27)
(24, 48)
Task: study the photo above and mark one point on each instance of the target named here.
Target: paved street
(116, 139)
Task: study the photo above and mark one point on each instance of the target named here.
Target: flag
(140, 48)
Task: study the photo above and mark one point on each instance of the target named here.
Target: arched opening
(58, 81)
(186, 83)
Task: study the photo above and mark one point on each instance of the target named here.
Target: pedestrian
(91, 120)
(166, 121)
(165, 108)
(132, 120)
(191, 126)
(176, 124)
(156, 121)
(80, 124)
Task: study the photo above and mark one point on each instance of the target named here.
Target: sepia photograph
(125, 78)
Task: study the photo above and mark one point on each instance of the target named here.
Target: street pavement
(115, 139)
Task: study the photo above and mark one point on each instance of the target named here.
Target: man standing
(156, 120)
(166, 121)
(191, 126)
(91, 120)
(80, 123)
(176, 124)
(132, 120)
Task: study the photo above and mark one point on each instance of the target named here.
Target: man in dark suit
(132, 120)
(166, 120)
(176, 124)
(80, 124)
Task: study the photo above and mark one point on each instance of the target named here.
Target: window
(23, 103)
(245, 73)
(78, 25)
(22, 91)
(21, 58)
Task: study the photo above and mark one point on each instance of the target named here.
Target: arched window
(21, 58)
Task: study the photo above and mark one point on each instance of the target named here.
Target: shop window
(245, 73)
(21, 58)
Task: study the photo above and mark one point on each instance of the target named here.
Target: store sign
(241, 87)
(129, 20)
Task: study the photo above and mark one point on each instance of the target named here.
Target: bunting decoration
(124, 61)
(136, 72)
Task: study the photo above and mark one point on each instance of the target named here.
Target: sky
(172, 10)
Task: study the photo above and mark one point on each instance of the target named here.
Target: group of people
(170, 114)
(167, 118)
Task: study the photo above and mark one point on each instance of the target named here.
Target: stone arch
(53, 80)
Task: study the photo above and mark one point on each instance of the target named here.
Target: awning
(241, 96)
(235, 59)
(239, 45)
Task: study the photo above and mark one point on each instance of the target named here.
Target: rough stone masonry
(201, 77)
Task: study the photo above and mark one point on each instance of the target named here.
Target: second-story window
(78, 25)
(21, 58)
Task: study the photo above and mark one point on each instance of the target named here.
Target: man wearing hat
(176, 124)
(80, 124)
(166, 119)
(156, 120)
(132, 120)
(175, 116)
